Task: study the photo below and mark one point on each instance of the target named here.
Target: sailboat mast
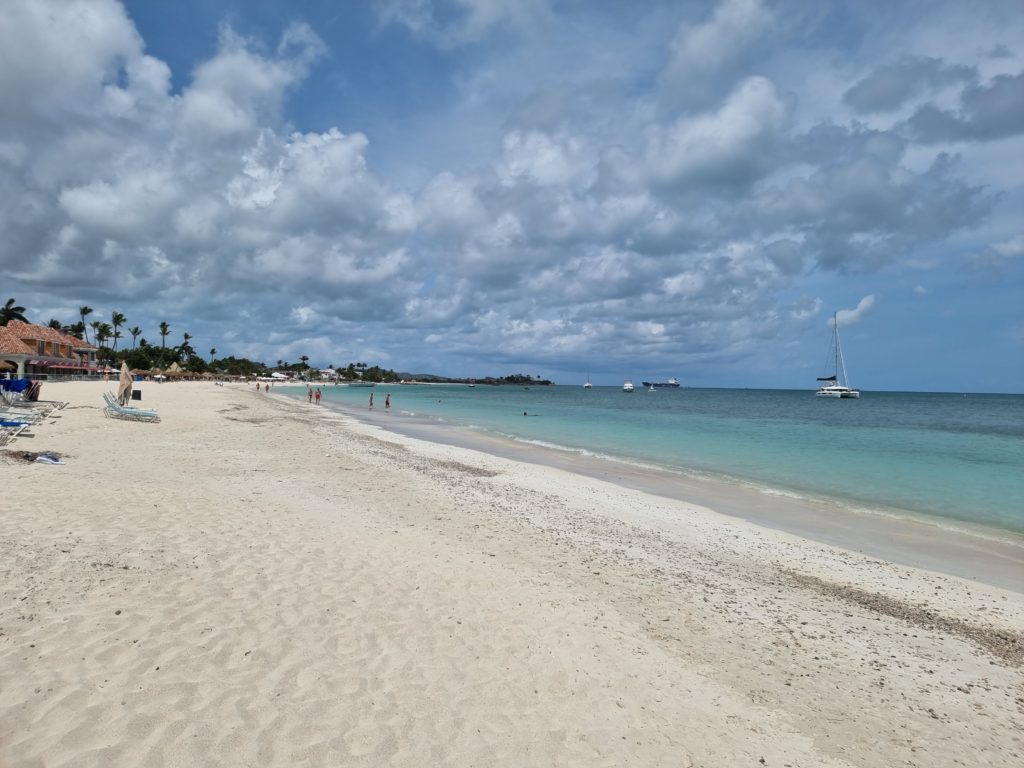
(840, 363)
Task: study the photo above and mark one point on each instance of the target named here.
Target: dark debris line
(1004, 645)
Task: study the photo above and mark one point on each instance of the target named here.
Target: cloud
(999, 255)
(986, 113)
(541, 159)
(706, 58)
(452, 23)
(632, 182)
(76, 58)
(853, 316)
(1010, 249)
(858, 207)
(889, 87)
(729, 147)
(235, 93)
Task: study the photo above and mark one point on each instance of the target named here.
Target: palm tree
(11, 311)
(103, 332)
(135, 332)
(117, 320)
(213, 351)
(77, 330)
(55, 324)
(164, 330)
(185, 350)
(95, 325)
(83, 312)
(279, 364)
(304, 359)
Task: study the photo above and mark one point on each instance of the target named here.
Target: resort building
(27, 350)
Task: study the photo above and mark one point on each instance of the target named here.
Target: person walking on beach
(387, 400)
(317, 395)
(371, 399)
(309, 391)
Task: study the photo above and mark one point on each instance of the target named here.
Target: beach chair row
(20, 411)
(115, 410)
(18, 416)
(29, 398)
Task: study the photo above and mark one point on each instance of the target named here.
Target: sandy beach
(255, 581)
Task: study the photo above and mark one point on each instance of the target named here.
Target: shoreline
(256, 581)
(990, 555)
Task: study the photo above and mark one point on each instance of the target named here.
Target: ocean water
(949, 456)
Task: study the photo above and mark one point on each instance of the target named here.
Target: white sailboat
(588, 385)
(627, 386)
(838, 384)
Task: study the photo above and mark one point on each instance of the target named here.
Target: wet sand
(958, 549)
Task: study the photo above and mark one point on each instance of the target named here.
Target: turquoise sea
(950, 456)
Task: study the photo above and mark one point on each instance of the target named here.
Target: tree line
(144, 355)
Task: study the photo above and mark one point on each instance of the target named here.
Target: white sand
(255, 582)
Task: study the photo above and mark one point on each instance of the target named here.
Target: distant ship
(658, 384)
(627, 386)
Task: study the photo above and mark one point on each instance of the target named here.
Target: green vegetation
(11, 311)
(145, 356)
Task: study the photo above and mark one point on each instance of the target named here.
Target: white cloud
(704, 56)
(1012, 248)
(544, 160)
(855, 315)
(459, 22)
(238, 90)
(633, 187)
(730, 146)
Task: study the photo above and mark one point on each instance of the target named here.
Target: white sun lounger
(115, 410)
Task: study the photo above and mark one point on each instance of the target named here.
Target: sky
(560, 188)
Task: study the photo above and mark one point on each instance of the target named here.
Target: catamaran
(838, 384)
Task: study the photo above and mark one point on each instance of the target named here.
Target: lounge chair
(13, 401)
(21, 414)
(115, 410)
(11, 429)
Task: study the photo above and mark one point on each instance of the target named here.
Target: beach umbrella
(124, 388)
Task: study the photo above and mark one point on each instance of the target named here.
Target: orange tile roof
(15, 331)
(11, 343)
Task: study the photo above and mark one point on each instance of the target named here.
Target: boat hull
(670, 383)
(838, 393)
